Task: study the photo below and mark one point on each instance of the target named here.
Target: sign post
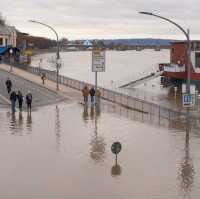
(188, 99)
(11, 54)
(116, 148)
(98, 65)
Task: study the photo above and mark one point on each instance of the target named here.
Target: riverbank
(54, 50)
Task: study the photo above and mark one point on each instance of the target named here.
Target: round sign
(116, 147)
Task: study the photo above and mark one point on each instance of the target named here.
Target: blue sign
(188, 100)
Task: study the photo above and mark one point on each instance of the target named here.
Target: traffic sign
(98, 60)
(116, 147)
(188, 100)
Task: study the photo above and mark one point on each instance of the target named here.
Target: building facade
(177, 69)
(8, 36)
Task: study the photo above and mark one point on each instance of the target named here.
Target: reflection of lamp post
(187, 34)
(57, 53)
(186, 171)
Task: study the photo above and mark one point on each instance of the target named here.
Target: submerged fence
(122, 99)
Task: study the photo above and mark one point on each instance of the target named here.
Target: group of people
(17, 96)
(92, 93)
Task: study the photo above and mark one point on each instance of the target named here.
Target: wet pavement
(41, 96)
(63, 151)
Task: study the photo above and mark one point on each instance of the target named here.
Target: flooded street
(63, 151)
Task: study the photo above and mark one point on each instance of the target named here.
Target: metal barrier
(124, 100)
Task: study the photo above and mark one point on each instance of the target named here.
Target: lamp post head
(33, 21)
(146, 13)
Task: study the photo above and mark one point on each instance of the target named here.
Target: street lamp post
(187, 35)
(10, 59)
(57, 52)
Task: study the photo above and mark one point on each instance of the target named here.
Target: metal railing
(124, 100)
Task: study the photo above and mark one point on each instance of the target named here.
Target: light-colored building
(8, 36)
(87, 43)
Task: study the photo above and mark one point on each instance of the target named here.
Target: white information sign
(188, 100)
(192, 88)
(98, 61)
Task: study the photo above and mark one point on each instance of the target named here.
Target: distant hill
(138, 42)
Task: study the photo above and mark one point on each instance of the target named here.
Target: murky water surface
(63, 151)
(121, 66)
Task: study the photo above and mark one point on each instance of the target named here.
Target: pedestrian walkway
(25, 82)
(28, 81)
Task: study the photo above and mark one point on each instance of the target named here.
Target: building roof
(6, 30)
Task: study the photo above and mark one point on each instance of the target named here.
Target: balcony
(174, 68)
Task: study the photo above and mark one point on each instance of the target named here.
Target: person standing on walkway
(85, 92)
(8, 85)
(20, 99)
(13, 98)
(98, 96)
(29, 98)
(92, 94)
(43, 77)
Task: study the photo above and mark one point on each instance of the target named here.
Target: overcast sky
(81, 19)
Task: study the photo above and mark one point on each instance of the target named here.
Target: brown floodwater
(64, 151)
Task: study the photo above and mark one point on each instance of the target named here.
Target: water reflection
(29, 121)
(97, 142)
(92, 112)
(85, 113)
(186, 171)
(116, 170)
(58, 127)
(20, 122)
(16, 123)
(13, 122)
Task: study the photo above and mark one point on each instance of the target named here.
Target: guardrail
(122, 99)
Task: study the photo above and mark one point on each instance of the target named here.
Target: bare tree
(2, 20)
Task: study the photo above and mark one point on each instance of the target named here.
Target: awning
(4, 49)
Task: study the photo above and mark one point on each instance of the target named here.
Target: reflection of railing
(124, 100)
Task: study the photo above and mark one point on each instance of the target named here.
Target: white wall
(10, 34)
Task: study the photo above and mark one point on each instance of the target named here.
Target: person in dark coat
(92, 94)
(43, 77)
(8, 85)
(13, 99)
(20, 99)
(29, 98)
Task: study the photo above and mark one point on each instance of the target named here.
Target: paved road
(41, 95)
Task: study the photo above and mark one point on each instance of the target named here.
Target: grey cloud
(106, 15)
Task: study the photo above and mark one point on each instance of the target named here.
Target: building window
(1, 41)
(197, 60)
